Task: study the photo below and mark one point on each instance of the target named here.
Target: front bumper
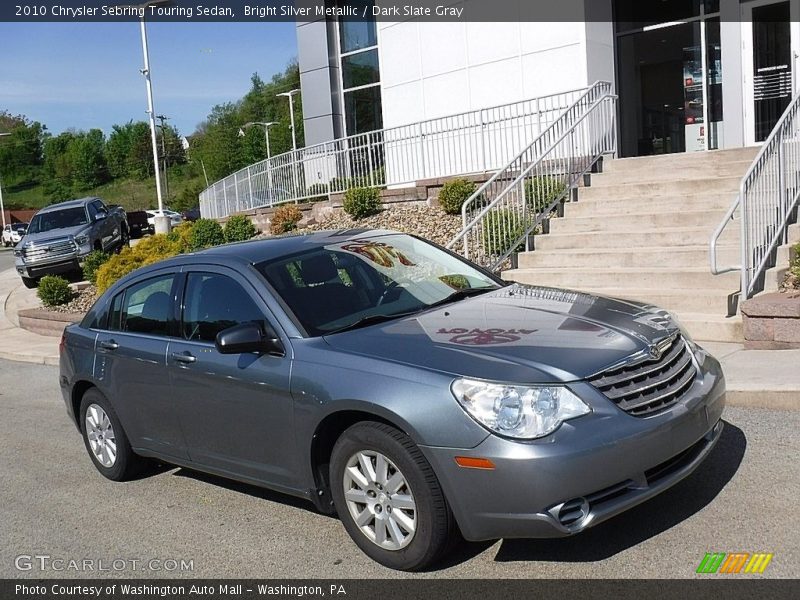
(587, 471)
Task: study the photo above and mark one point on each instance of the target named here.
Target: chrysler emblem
(655, 352)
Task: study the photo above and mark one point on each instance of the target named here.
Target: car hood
(53, 234)
(519, 333)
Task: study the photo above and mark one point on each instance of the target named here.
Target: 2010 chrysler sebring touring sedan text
(394, 383)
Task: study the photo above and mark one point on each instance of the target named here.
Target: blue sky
(86, 75)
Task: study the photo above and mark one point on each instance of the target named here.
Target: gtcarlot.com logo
(734, 562)
(45, 562)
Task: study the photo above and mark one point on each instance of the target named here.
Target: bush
(285, 219)
(93, 261)
(148, 251)
(54, 291)
(794, 266)
(453, 195)
(543, 190)
(360, 202)
(206, 233)
(239, 229)
(501, 228)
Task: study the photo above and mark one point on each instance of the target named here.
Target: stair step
(663, 172)
(636, 187)
(639, 204)
(672, 161)
(628, 221)
(712, 328)
(661, 256)
(614, 238)
(578, 278)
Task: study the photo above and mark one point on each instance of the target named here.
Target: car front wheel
(389, 498)
(105, 439)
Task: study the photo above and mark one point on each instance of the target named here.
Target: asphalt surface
(54, 503)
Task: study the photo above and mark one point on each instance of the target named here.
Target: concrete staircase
(641, 231)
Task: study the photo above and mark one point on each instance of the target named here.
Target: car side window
(115, 313)
(147, 306)
(92, 211)
(214, 302)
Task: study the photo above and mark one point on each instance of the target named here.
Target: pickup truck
(61, 235)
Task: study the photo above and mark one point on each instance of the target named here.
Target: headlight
(520, 412)
(82, 239)
(17, 252)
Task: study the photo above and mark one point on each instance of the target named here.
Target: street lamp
(266, 127)
(162, 222)
(2, 208)
(290, 95)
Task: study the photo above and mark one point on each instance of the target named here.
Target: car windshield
(58, 219)
(370, 279)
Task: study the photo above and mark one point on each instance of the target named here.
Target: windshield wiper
(370, 320)
(461, 294)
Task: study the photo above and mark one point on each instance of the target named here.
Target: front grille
(49, 251)
(650, 385)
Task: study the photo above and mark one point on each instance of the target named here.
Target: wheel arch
(79, 389)
(328, 430)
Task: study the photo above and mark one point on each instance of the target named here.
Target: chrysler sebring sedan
(395, 384)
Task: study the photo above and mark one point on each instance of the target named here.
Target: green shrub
(285, 219)
(93, 261)
(148, 251)
(453, 195)
(54, 291)
(360, 202)
(794, 266)
(501, 228)
(543, 190)
(239, 229)
(206, 233)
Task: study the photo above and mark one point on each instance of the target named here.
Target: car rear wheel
(389, 499)
(105, 439)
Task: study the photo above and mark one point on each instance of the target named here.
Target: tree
(20, 152)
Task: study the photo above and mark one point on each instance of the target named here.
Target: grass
(131, 194)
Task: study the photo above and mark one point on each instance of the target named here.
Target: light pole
(266, 127)
(162, 222)
(290, 95)
(2, 208)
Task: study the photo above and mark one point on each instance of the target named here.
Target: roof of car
(264, 249)
(67, 204)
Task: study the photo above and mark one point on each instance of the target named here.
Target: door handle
(109, 345)
(183, 357)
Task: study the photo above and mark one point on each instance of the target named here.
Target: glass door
(770, 53)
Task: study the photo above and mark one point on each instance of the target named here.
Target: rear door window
(147, 307)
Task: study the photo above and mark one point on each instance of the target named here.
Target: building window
(360, 69)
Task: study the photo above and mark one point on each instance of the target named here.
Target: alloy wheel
(380, 500)
(100, 434)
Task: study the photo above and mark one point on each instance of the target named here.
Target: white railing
(501, 217)
(766, 204)
(471, 142)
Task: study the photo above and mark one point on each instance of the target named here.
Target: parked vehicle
(193, 214)
(13, 233)
(61, 235)
(174, 218)
(138, 223)
(394, 383)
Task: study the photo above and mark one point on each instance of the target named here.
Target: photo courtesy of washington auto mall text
(399, 299)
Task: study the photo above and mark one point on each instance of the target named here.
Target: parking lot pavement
(742, 499)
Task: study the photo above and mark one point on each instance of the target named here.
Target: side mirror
(248, 337)
(101, 214)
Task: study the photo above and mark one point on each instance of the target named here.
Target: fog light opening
(573, 512)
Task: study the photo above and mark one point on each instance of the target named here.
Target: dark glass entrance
(772, 70)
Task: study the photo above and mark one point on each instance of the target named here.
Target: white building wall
(431, 70)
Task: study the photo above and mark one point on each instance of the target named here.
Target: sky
(86, 75)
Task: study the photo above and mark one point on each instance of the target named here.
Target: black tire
(125, 239)
(126, 464)
(435, 530)
(30, 283)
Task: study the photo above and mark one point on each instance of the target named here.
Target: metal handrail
(468, 142)
(500, 216)
(767, 199)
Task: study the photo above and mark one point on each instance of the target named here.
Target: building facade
(691, 75)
